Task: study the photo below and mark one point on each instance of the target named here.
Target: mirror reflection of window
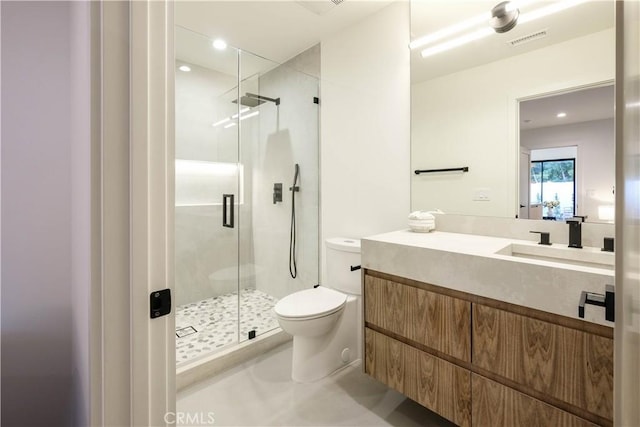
(553, 185)
(569, 139)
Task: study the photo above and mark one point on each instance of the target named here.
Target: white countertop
(469, 263)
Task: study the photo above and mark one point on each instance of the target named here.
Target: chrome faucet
(575, 231)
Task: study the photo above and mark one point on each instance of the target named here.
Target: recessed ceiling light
(561, 115)
(184, 68)
(220, 44)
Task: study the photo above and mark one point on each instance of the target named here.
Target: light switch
(481, 194)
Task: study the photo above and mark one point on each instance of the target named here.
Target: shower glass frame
(251, 149)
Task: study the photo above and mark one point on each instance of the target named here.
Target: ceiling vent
(528, 38)
(319, 7)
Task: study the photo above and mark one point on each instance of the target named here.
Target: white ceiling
(580, 106)
(428, 16)
(277, 30)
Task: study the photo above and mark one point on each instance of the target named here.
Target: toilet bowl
(325, 321)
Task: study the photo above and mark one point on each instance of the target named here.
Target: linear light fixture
(449, 31)
(548, 10)
(483, 18)
(199, 167)
(484, 31)
(467, 38)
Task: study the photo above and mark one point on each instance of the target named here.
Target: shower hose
(293, 268)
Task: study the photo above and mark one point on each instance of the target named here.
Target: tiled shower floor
(215, 322)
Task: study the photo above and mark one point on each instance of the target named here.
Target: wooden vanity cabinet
(411, 337)
(568, 365)
(440, 322)
(497, 405)
(443, 387)
(482, 362)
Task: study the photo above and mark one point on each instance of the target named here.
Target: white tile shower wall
(198, 106)
(365, 126)
(282, 137)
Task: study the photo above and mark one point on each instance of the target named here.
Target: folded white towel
(421, 215)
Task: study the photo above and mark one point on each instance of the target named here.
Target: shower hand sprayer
(293, 268)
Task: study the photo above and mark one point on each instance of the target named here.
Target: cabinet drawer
(573, 366)
(434, 383)
(497, 405)
(437, 321)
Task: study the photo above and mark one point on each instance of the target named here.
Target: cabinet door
(498, 405)
(434, 383)
(570, 365)
(438, 321)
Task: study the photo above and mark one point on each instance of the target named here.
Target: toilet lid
(310, 303)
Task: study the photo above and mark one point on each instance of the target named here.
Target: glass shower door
(208, 194)
(244, 237)
(279, 132)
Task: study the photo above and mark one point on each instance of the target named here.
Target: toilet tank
(342, 254)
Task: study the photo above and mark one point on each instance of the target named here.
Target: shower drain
(184, 332)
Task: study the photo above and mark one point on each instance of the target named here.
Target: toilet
(325, 321)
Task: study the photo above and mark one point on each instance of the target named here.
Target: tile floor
(260, 393)
(209, 325)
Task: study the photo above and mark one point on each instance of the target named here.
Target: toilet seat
(310, 304)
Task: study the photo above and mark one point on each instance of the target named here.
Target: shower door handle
(227, 210)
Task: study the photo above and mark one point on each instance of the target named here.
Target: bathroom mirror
(567, 155)
(466, 98)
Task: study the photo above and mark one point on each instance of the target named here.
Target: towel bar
(462, 169)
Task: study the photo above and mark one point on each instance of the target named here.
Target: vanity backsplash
(593, 234)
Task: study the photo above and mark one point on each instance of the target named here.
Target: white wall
(469, 119)
(85, 196)
(36, 214)
(595, 165)
(365, 126)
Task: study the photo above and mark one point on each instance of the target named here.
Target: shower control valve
(277, 192)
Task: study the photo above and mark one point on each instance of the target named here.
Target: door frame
(521, 184)
(132, 355)
(627, 281)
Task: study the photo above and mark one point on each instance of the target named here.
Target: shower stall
(247, 191)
